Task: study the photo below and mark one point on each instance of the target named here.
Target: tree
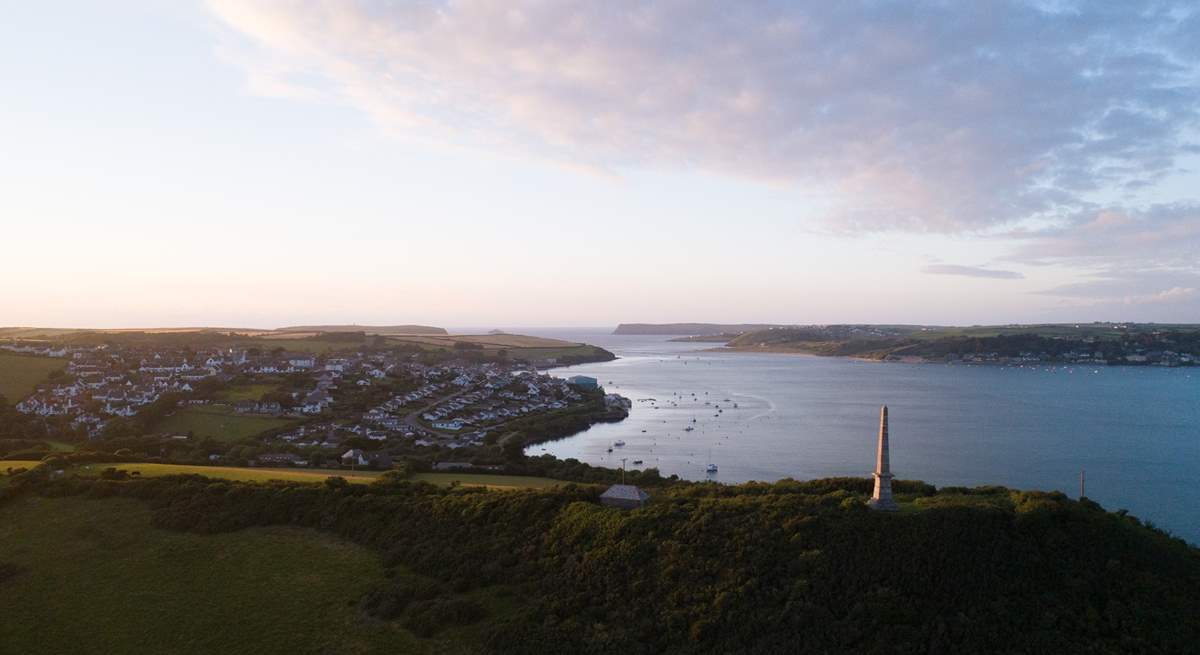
(117, 427)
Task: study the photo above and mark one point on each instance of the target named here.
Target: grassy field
(238, 473)
(6, 464)
(219, 423)
(20, 373)
(556, 353)
(319, 475)
(519, 347)
(93, 576)
(488, 341)
(253, 392)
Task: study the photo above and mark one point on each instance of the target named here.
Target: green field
(519, 347)
(93, 576)
(319, 475)
(20, 373)
(236, 473)
(6, 464)
(526, 354)
(253, 392)
(218, 422)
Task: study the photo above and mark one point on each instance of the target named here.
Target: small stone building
(624, 496)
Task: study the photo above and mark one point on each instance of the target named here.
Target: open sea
(1134, 430)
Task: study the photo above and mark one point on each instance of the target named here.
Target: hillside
(755, 568)
(113, 583)
(690, 329)
(367, 329)
(537, 350)
(304, 330)
(1097, 343)
(19, 374)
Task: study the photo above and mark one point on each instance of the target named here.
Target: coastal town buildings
(387, 400)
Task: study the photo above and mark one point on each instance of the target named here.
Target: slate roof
(625, 492)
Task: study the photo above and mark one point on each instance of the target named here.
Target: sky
(255, 163)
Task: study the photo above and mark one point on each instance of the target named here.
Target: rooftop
(625, 492)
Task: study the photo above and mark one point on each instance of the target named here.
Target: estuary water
(1134, 430)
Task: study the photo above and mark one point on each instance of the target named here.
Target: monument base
(883, 505)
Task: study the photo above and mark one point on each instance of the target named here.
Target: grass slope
(499, 482)
(93, 576)
(219, 423)
(253, 392)
(20, 373)
(6, 464)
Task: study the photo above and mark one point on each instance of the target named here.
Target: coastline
(917, 359)
(903, 359)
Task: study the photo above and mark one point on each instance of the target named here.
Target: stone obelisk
(881, 499)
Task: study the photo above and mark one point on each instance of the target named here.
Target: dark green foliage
(427, 618)
(792, 567)
(112, 473)
(391, 601)
(8, 572)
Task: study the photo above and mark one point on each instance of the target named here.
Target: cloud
(1149, 259)
(1158, 295)
(909, 116)
(971, 271)
(1159, 236)
(1172, 295)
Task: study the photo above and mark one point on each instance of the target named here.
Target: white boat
(688, 429)
(618, 443)
(711, 468)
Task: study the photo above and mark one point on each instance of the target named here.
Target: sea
(1132, 432)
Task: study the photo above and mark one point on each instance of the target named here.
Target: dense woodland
(757, 568)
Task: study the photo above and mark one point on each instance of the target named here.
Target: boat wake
(767, 401)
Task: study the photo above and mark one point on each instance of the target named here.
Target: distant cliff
(689, 329)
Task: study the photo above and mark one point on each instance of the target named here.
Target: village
(356, 407)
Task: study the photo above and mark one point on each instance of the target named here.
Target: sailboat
(711, 468)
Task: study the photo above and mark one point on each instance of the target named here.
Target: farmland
(519, 347)
(114, 584)
(235, 473)
(20, 373)
(499, 482)
(6, 464)
(253, 392)
(219, 423)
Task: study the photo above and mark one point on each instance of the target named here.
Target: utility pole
(1081, 480)
(623, 469)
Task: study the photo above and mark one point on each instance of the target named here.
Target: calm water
(1136, 431)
